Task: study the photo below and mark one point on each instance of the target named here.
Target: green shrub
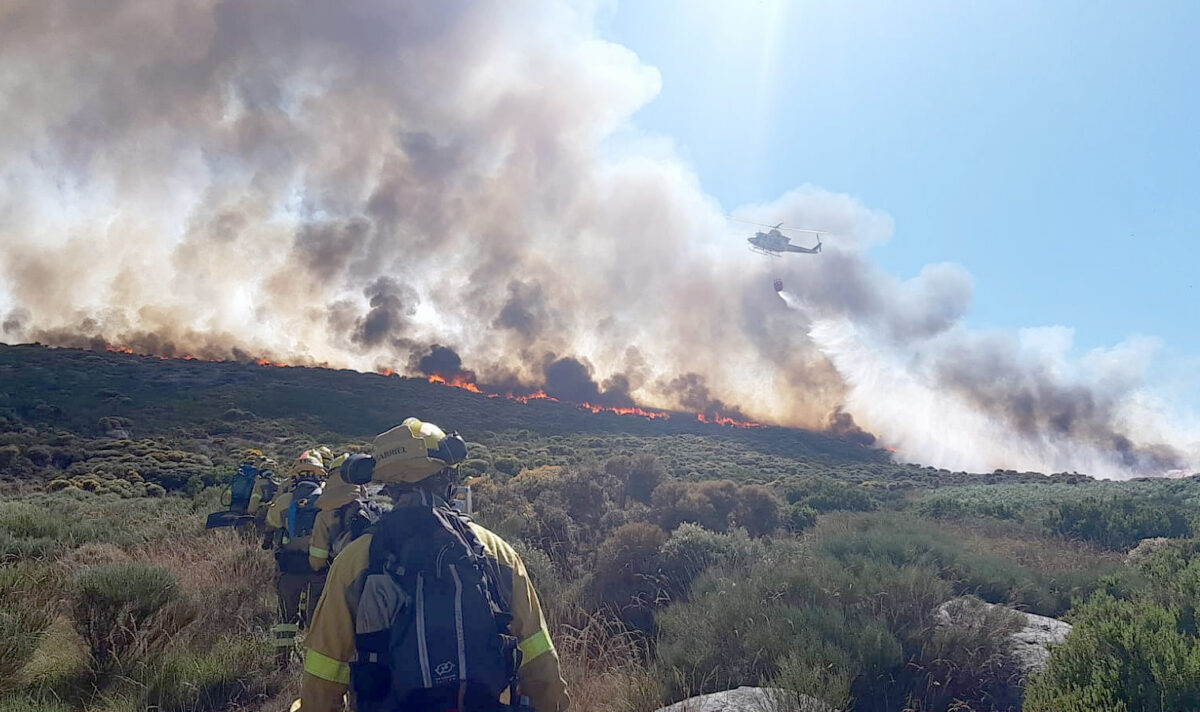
(112, 601)
(1118, 524)
(691, 549)
(1121, 655)
(507, 465)
(800, 517)
(757, 510)
(474, 466)
(736, 631)
(626, 564)
(827, 495)
(637, 475)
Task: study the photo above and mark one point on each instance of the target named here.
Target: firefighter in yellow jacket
(266, 486)
(407, 459)
(296, 584)
(330, 532)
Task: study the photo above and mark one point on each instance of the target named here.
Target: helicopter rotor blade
(778, 226)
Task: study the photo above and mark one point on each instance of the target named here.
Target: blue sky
(1051, 148)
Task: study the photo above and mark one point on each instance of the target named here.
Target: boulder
(1030, 645)
(750, 699)
(1144, 549)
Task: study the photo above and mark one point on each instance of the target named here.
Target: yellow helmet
(405, 453)
(338, 491)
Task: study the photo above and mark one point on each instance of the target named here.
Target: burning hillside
(416, 182)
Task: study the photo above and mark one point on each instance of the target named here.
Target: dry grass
(604, 665)
(1010, 540)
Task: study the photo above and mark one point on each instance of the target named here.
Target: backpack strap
(500, 608)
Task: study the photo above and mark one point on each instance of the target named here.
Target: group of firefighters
(370, 549)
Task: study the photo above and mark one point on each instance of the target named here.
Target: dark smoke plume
(391, 305)
(445, 362)
(842, 425)
(693, 394)
(571, 380)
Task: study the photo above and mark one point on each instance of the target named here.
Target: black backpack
(432, 628)
(354, 520)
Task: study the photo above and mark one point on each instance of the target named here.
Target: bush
(800, 517)
(626, 564)
(507, 465)
(757, 510)
(112, 601)
(645, 473)
(692, 549)
(710, 504)
(737, 630)
(827, 495)
(1118, 524)
(1121, 655)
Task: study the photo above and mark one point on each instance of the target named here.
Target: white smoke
(322, 183)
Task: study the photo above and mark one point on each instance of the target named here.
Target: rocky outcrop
(750, 699)
(1029, 645)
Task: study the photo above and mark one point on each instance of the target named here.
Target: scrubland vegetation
(671, 561)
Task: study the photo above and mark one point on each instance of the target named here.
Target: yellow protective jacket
(256, 495)
(278, 511)
(330, 640)
(328, 525)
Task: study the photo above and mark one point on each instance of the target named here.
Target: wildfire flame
(539, 394)
(719, 419)
(465, 383)
(651, 414)
(461, 381)
(457, 382)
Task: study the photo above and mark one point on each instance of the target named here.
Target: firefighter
(417, 461)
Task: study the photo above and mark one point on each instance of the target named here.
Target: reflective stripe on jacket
(330, 640)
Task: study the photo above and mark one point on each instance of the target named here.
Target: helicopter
(775, 243)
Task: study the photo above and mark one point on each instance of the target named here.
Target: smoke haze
(432, 188)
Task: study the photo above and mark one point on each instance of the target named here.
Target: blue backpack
(302, 512)
(241, 486)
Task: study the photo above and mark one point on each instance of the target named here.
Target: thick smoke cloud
(692, 393)
(308, 183)
(571, 380)
(442, 361)
(391, 305)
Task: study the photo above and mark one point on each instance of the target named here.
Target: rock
(1145, 548)
(750, 699)
(1030, 646)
